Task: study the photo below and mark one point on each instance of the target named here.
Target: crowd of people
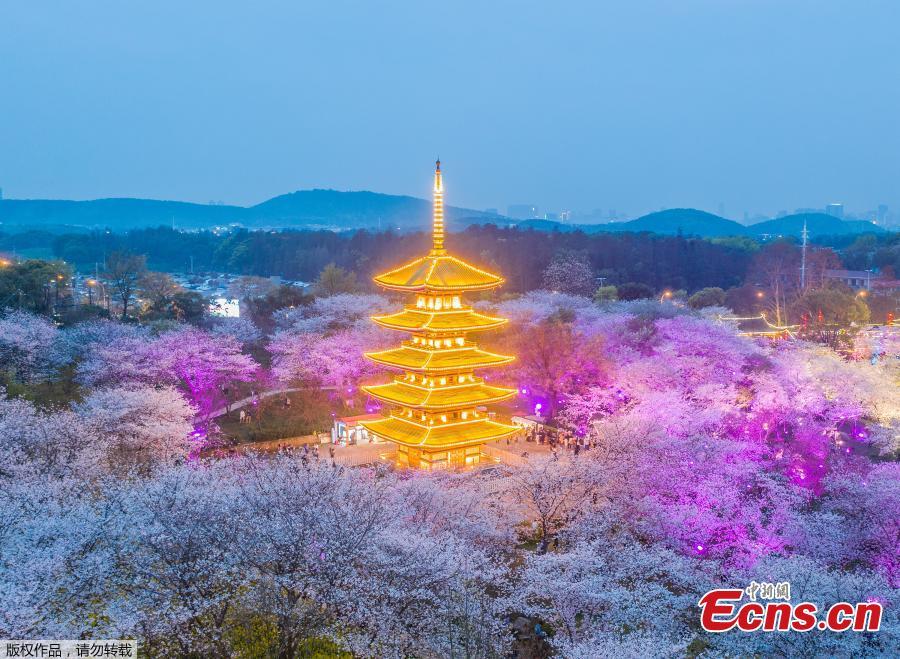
(556, 438)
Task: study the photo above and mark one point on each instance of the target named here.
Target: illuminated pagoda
(436, 415)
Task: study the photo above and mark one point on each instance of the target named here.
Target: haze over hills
(693, 222)
(335, 210)
(305, 209)
(687, 221)
(818, 224)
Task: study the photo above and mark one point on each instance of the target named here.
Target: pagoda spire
(438, 211)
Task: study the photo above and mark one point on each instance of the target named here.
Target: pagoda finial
(438, 212)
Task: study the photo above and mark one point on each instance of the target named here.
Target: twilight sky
(758, 105)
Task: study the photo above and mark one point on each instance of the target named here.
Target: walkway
(238, 404)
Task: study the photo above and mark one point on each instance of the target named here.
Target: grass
(310, 412)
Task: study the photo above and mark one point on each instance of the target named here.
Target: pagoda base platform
(422, 458)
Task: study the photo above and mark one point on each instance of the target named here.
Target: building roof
(451, 320)
(438, 398)
(353, 420)
(464, 358)
(849, 274)
(438, 273)
(444, 436)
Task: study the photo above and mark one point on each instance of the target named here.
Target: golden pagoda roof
(438, 272)
(451, 320)
(443, 436)
(436, 398)
(436, 360)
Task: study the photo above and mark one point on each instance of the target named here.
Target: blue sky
(758, 105)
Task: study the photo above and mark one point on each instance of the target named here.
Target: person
(553, 453)
(577, 449)
(241, 416)
(331, 451)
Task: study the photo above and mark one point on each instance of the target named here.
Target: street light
(665, 295)
(760, 294)
(90, 284)
(862, 294)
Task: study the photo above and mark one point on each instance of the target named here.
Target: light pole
(90, 284)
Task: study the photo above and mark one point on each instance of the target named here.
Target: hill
(338, 211)
(116, 214)
(351, 210)
(818, 224)
(686, 221)
(307, 209)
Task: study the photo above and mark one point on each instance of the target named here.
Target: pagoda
(435, 404)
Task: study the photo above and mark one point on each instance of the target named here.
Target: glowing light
(444, 429)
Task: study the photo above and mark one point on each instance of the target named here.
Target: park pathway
(243, 402)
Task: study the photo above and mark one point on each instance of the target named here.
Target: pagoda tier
(438, 273)
(403, 393)
(432, 360)
(436, 415)
(413, 319)
(451, 435)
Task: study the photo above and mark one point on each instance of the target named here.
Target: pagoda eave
(438, 273)
(437, 399)
(438, 361)
(439, 437)
(432, 288)
(437, 322)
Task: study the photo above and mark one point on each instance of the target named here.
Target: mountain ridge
(350, 210)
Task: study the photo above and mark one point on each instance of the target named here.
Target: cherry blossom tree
(201, 364)
(337, 312)
(553, 492)
(570, 272)
(241, 329)
(28, 346)
(141, 425)
(324, 343)
(717, 460)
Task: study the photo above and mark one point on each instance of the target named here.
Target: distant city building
(522, 211)
(880, 215)
(835, 210)
(554, 217)
(565, 216)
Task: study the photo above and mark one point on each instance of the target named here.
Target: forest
(658, 261)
